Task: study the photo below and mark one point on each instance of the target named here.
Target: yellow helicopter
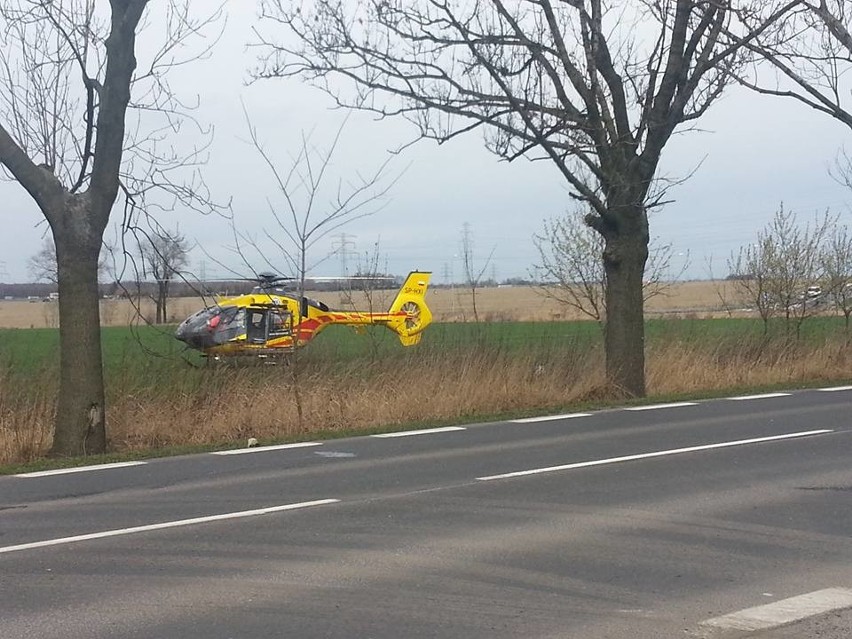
(269, 321)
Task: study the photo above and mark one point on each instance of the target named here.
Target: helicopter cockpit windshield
(212, 326)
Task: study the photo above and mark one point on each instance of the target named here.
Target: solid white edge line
(763, 396)
(548, 418)
(166, 524)
(834, 389)
(785, 611)
(425, 431)
(263, 449)
(80, 469)
(659, 453)
(656, 406)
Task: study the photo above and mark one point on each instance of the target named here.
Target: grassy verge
(161, 401)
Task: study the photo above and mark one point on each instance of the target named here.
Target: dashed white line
(659, 453)
(425, 431)
(166, 524)
(263, 449)
(834, 389)
(784, 612)
(80, 469)
(742, 398)
(658, 406)
(549, 418)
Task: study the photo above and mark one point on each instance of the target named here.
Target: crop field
(161, 396)
(509, 303)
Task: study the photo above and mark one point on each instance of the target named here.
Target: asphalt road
(619, 524)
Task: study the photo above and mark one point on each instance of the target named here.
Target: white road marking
(81, 469)
(834, 389)
(742, 398)
(425, 431)
(656, 406)
(659, 453)
(785, 611)
(263, 449)
(166, 524)
(549, 418)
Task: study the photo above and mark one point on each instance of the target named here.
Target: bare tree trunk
(162, 296)
(625, 254)
(80, 427)
(77, 193)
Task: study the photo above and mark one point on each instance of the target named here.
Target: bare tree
(775, 273)
(308, 208)
(472, 274)
(69, 74)
(571, 270)
(752, 270)
(164, 255)
(42, 265)
(837, 271)
(811, 52)
(370, 289)
(597, 88)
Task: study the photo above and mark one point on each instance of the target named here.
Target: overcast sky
(756, 153)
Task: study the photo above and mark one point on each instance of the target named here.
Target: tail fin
(410, 313)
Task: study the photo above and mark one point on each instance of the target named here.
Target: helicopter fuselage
(270, 322)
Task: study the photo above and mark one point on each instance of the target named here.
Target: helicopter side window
(256, 326)
(227, 315)
(307, 301)
(231, 324)
(279, 322)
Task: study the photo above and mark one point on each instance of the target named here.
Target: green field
(149, 351)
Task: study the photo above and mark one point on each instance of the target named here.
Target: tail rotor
(410, 315)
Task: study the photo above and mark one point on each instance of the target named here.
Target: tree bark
(78, 228)
(625, 254)
(80, 427)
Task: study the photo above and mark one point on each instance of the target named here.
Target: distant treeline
(190, 288)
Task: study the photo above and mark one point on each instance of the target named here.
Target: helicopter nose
(182, 332)
(190, 335)
(195, 338)
(208, 327)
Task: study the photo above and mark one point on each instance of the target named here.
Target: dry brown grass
(678, 368)
(26, 418)
(227, 407)
(411, 390)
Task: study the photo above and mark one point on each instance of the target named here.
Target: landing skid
(270, 356)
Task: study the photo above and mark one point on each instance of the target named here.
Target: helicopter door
(256, 328)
